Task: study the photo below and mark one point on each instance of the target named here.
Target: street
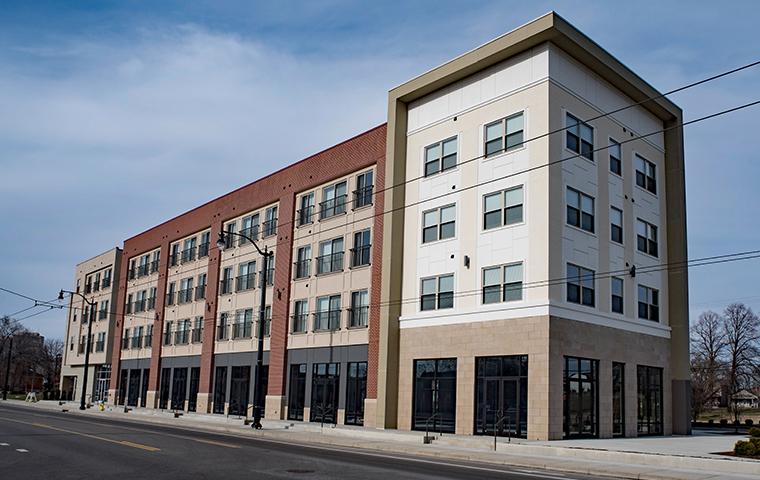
(53, 445)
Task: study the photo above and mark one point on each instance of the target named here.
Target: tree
(742, 330)
(708, 345)
(52, 353)
(9, 328)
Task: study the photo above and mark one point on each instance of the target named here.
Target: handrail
(427, 426)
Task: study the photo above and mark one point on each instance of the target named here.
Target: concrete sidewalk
(658, 458)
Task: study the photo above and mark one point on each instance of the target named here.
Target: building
(507, 278)
(98, 280)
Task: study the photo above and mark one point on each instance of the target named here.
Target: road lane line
(210, 442)
(22, 450)
(4, 444)
(87, 435)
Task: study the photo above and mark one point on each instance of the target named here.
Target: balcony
(136, 342)
(184, 296)
(358, 316)
(241, 330)
(188, 255)
(269, 228)
(306, 215)
(363, 196)
(250, 232)
(360, 256)
(203, 250)
(327, 321)
(181, 337)
(330, 263)
(197, 335)
(298, 323)
(200, 292)
(225, 286)
(302, 268)
(332, 207)
(245, 282)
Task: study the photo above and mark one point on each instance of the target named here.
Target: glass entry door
(325, 383)
(239, 390)
(134, 388)
(297, 392)
(502, 396)
(179, 388)
(192, 400)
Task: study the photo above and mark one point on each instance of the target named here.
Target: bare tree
(9, 328)
(708, 345)
(52, 353)
(742, 329)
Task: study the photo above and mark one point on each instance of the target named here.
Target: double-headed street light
(93, 306)
(221, 244)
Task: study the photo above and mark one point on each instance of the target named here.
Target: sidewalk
(661, 458)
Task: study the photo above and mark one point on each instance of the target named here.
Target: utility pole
(8, 370)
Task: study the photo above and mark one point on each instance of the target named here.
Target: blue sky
(111, 109)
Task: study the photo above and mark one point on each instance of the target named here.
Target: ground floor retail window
(192, 399)
(581, 397)
(501, 395)
(133, 392)
(163, 397)
(220, 389)
(123, 386)
(618, 399)
(264, 387)
(325, 384)
(102, 379)
(434, 402)
(179, 388)
(649, 400)
(356, 392)
(240, 380)
(297, 391)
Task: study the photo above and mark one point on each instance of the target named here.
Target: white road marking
(4, 444)
(22, 450)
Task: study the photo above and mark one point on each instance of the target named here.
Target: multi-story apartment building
(509, 278)
(98, 280)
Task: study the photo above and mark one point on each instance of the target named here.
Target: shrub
(744, 449)
(723, 421)
(754, 432)
(756, 442)
(748, 422)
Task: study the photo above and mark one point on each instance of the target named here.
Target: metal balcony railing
(148, 342)
(221, 332)
(188, 255)
(154, 266)
(358, 316)
(334, 206)
(180, 337)
(100, 345)
(330, 263)
(250, 232)
(174, 259)
(302, 268)
(185, 296)
(225, 286)
(197, 335)
(200, 292)
(241, 330)
(143, 270)
(170, 298)
(136, 342)
(245, 282)
(269, 228)
(151, 303)
(298, 323)
(327, 320)
(360, 255)
(125, 343)
(203, 250)
(363, 196)
(306, 215)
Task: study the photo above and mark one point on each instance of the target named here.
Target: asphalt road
(37, 444)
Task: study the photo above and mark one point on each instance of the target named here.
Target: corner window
(616, 225)
(504, 135)
(438, 224)
(580, 285)
(649, 304)
(580, 210)
(579, 137)
(503, 208)
(616, 163)
(437, 293)
(617, 294)
(441, 156)
(646, 237)
(503, 283)
(646, 174)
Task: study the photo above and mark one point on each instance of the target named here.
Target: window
(152, 298)
(200, 290)
(107, 278)
(174, 257)
(149, 337)
(267, 320)
(300, 317)
(501, 389)
(226, 280)
(333, 200)
(616, 225)
(131, 275)
(182, 333)
(243, 324)
(618, 399)
(579, 137)
(356, 392)
(154, 264)
(129, 306)
(140, 303)
(203, 247)
(616, 164)
(617, 294)
(503, 283)
(103, 313)
(303, 262)
(100, 344)
(580, 210)
(646, 237)
(270, 270)
(435, 395)
(581, 397)
(198, 330)
(364, 189)
(221, 328)
(649, 381)
(250, 228)
(170, 294)
(143, 268)
(270, 225)
(360, 252)
(330, 256)
(649, 304)
(503, 208)
(580, 285)
(437, 293)
(438, 224)
(441, 156)
(188, 250)
(327, 316)
(246, 279)
(297, 391)
(168, 333)
(185, 294)
(504, 135)
(229, 238)
(359, 313)
(325, 385)
(306, 212)
(125, 340)
(646, 174)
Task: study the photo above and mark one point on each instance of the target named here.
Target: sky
(115, 116)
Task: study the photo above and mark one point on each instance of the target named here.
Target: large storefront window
(133, 393)
(356, 391)
(502, 395)
(163, 397)
(220, 389)
(325, 383)
(240, 381)
(297, 392)
(618, 399)
(650, 400)
(435, 399)
(144, 391)
(192, 398)
(179, 388)
(581, 397)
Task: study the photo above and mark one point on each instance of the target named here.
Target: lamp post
(221, 243)
(93, 305)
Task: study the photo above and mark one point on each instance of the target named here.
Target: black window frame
(574, 140)
(439, 227)
(505, 140)
(577, 216)
(442, 162)
(442, 422)
(646, 180)
(591, 378)
(576, 281)
(649, 308)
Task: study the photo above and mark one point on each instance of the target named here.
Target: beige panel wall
(145, 318)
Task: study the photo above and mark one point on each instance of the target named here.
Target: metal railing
(136, 342)
(269, 228)
(328, 320)
(102, 314)
(143, 270)
(154, 266)
(241, 330)
(203, 250)
(138, 306)
(168, 337)
(299, 323)
(363, 196)
(245, 282)
(181, 337)
(100, 345)
(358, 316)
(151, 303)
(330, 263)
(148, 342)
(302, 268)
(200, 292)
(306, 215)
(251, 232)
(173, 259)
(125, 343)
(226, 286)
(185, 296)
(188, 254)
(221, 332)
(197, 335)
(334, 206)
(360, 256)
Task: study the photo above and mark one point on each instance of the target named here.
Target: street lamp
(93, 306)
(221, 244)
